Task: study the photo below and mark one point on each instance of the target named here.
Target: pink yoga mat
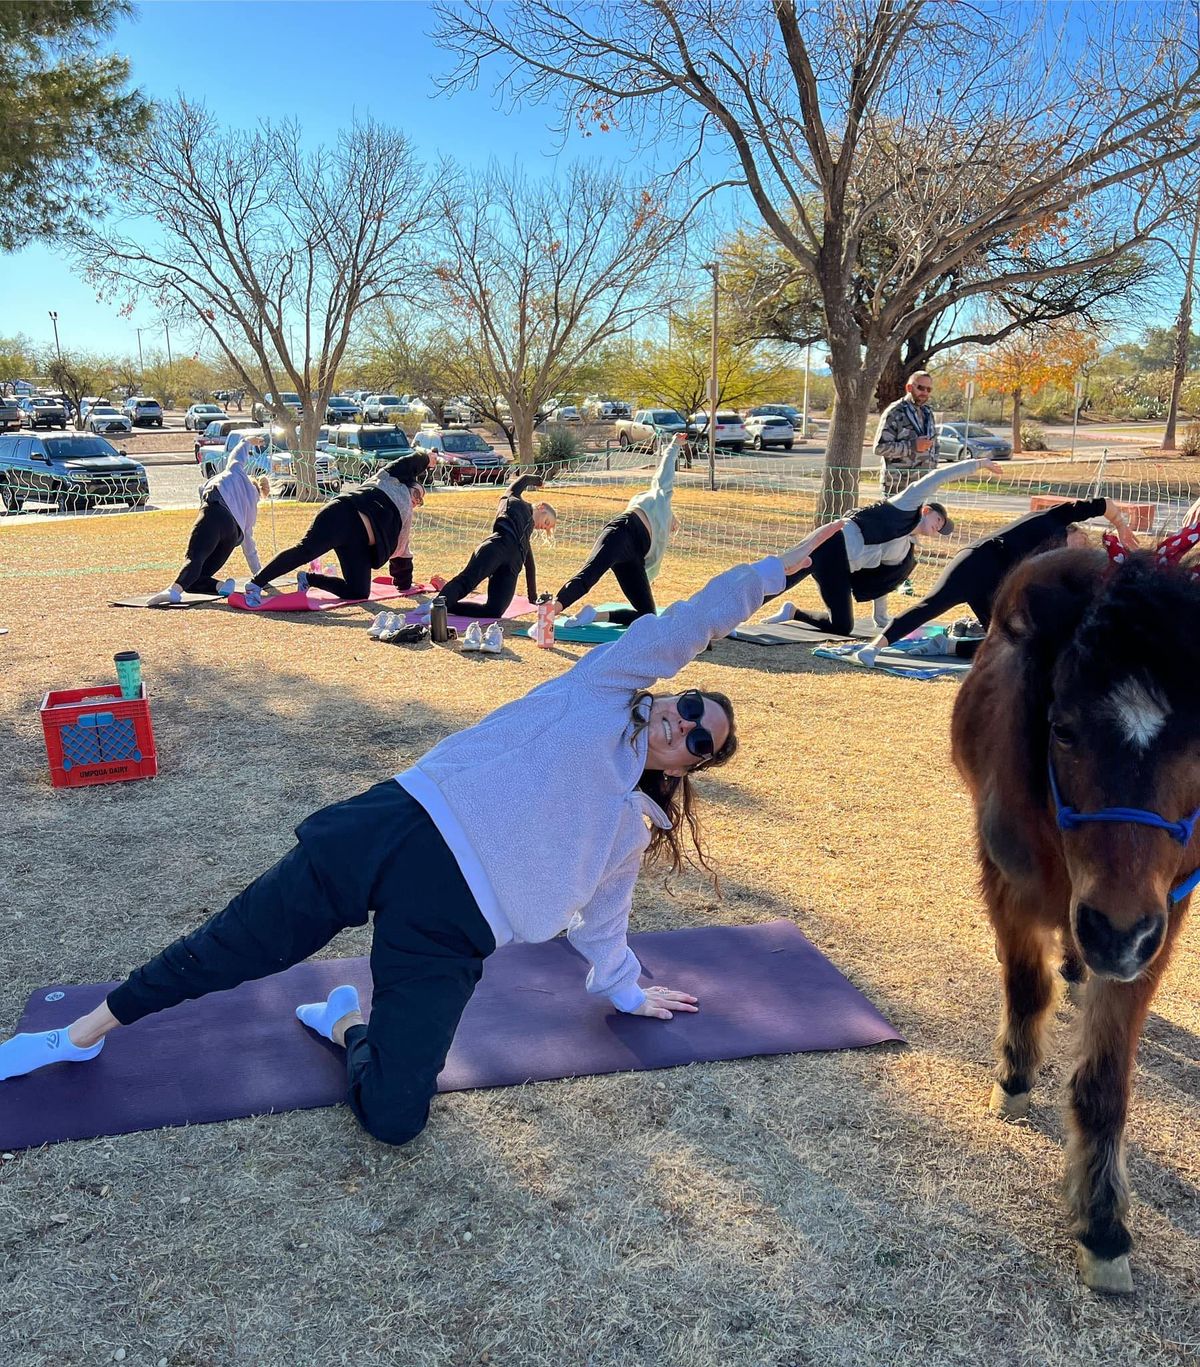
(519, 607)
(317, 600)
(763, 989)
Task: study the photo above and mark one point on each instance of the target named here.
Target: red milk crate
(93, 735)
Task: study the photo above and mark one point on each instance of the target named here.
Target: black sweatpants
(831, 569)
(338, 527)
(622, 547)
(972, 577)
(498, 560)
(379, 851)
(214, 538)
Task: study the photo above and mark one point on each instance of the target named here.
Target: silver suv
(144, 412)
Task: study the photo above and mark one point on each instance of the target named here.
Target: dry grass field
(850, 1208)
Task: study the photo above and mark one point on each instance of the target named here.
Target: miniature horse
(1078, 734)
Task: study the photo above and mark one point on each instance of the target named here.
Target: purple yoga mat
(517, 608)
(763, 989)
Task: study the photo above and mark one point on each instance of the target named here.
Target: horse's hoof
(1008, 1105)
(1108, 1275)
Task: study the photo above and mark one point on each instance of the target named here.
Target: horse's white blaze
(1140, 710)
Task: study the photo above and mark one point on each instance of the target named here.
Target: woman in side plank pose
(448, 883)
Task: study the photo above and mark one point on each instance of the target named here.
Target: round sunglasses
(699, 740)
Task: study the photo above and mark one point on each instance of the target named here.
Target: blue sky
(346, 58)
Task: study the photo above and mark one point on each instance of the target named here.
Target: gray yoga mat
(796, 633)
(186, 600)
(763, 989)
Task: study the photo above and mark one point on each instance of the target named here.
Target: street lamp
(715, 271)
(57, 348)
(141, 363)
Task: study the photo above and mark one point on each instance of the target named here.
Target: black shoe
(407, 635)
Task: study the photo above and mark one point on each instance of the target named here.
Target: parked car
(769, 429)
(75, 470)
(779, 410)
(199, 415)
(731, 430)
(566, 413)
(275, 461)
(646, 425)
(379, 407)
(285, 403)
(216, 432)
(341, 409)
(460, 411)
(10, 415)
(104, 418)
(87, 403)
(359, 451)
(463, 457)
(955, 441)
(39, 411)
(144, 412)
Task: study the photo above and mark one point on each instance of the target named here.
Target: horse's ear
(1045, 600)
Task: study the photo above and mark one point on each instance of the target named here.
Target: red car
(463, 457)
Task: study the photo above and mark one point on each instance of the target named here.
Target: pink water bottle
(543, 629)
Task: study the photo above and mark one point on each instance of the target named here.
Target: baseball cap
(947, 522)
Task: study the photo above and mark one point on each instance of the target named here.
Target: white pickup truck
(647, 424)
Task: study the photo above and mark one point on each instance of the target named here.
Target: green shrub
(1033, 438)
(1189, 444)
(556, 448)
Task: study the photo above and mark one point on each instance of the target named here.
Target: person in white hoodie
(632, 545)
(448, 882)
(228, 511)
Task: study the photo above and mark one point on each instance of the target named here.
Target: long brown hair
(677, 796)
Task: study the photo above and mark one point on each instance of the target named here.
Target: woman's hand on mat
(661, 1002)
(799, 557)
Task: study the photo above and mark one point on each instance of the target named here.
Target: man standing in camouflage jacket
(906, 442)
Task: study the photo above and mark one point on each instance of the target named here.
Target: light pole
(167, 330)
(807, 367)
(715, 270)
(141, 363)
(57, 348)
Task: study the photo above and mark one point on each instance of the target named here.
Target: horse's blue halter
(1068, 819)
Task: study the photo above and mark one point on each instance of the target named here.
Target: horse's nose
(1118, 951)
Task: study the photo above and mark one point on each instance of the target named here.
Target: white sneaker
(473, 637)
(787, 613)
(585, 616)
(379, 625)
(865, 656)
(493, 639)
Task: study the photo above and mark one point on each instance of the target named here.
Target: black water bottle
(437, 621)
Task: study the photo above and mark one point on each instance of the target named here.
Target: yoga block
(1141, 515)
(93, 735)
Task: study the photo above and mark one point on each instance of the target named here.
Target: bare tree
(1183, 333)
(1046, 158)
(265, 246)
(538, 274)
(79, 374)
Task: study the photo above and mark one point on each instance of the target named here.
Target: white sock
(157, 600)
(866, 656)
(323, 1016)
(585, 616)
(787, 613)
(24, 1053)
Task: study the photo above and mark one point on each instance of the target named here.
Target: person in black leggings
(364, 528)
(632, 546)
(975, 574)
(499, 559)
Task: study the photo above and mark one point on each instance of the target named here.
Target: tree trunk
(1182, 338)
(1016, 422)
(304, 453)
(891, 382)
(523, 434)
(844, 452)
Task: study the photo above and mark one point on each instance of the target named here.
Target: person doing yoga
(974, 575)
(363, 527)
(448, 882)
(632, 545)
(874, 554)
(228, 511)
(500, 557)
